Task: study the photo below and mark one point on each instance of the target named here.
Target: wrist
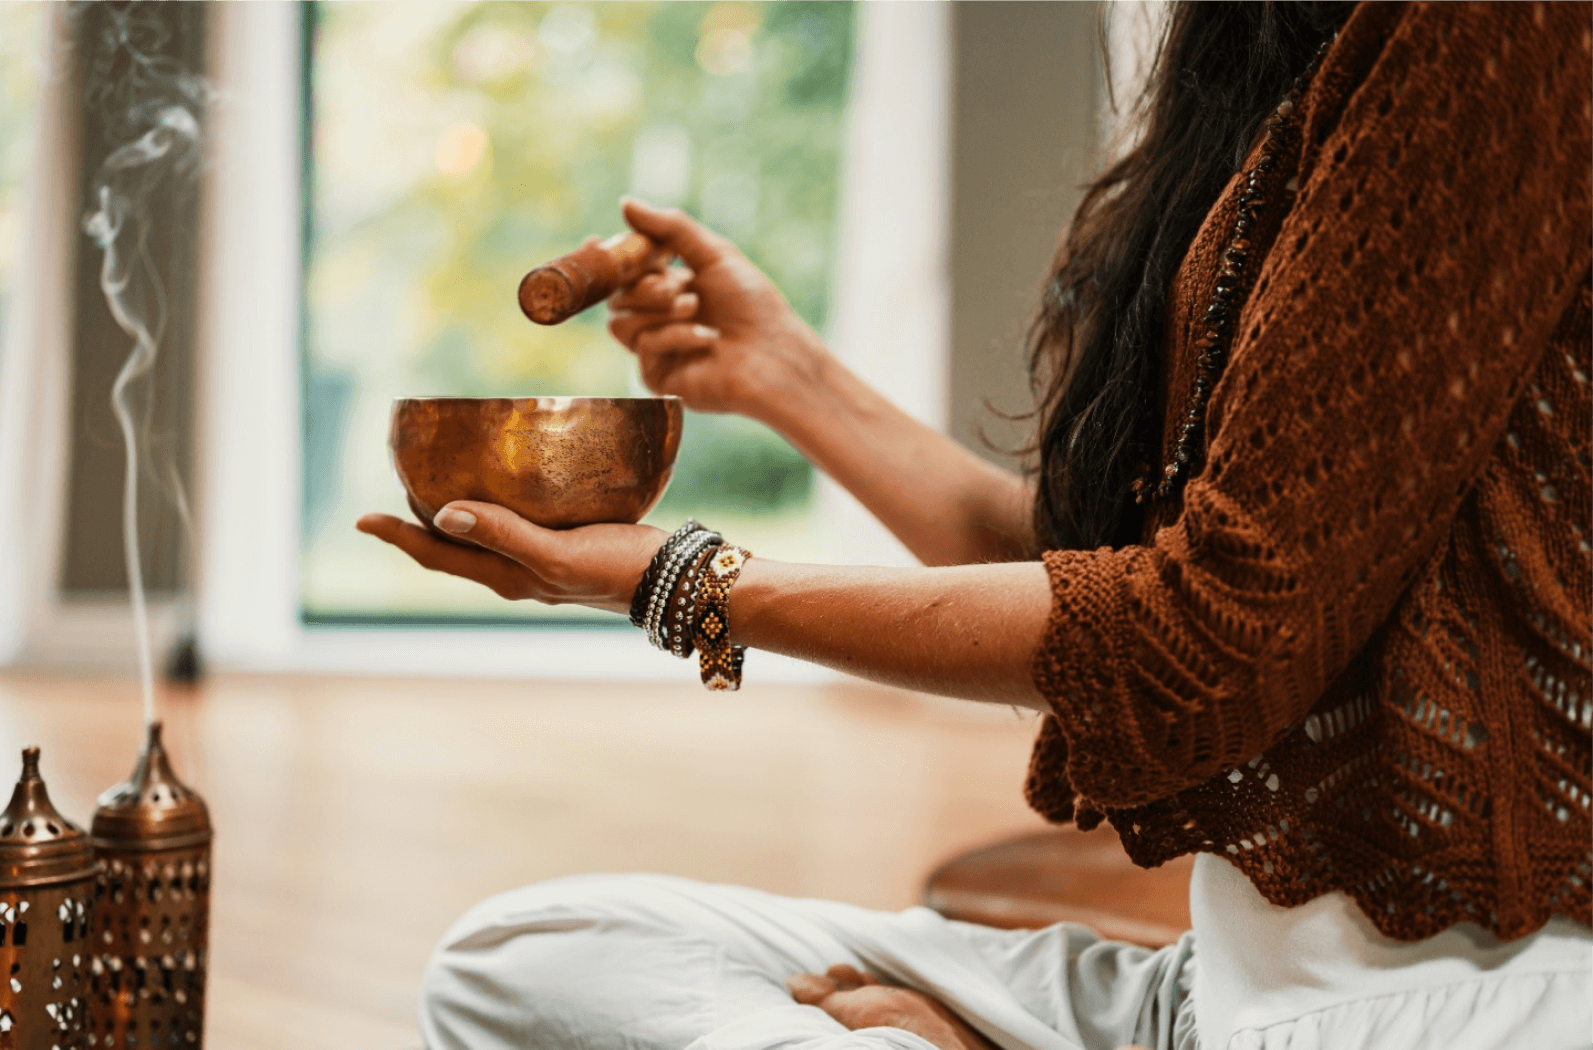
(750, 596)
(654, 603)
(812, 400)
(782, 385)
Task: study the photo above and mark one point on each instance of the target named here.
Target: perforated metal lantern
(151, 909)
(46, 905)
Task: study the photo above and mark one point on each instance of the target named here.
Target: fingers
(696, 377)
(673, 360)
(849, 978)
(698, 246)
(809, 989)
(858, 1000)
(652, 301)
(626, 325)
(487, 569)
(497, 529)
(675, 339)
(873, 1006)
(654, 291)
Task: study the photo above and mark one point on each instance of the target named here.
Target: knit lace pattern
(1358, 654)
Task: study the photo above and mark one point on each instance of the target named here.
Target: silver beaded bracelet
(658, 612)
(680, 626)
(648, 585)
(683, 555)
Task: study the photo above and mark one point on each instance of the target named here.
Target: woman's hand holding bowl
(594, 565)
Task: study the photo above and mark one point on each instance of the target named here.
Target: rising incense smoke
(157, 105)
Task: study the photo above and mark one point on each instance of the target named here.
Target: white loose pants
(646, 962)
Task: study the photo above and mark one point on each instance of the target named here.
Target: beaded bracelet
(680, 627)
(719, 662)
(684, 553)
(645, 603)
(649, 580)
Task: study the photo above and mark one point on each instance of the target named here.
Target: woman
(1313, 603)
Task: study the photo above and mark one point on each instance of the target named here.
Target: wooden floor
(356, 818)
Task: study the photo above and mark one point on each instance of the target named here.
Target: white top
(1258, 965)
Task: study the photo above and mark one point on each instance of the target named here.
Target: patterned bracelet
(684, 555)
(719, 662)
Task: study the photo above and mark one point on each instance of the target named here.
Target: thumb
(496, 528)
(697, 245)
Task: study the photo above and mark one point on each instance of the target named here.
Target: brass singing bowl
(557, 461)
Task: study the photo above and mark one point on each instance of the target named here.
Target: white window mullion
(247, 457)
(890, 322)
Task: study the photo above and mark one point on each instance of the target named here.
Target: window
(454, 146)
(881, 292)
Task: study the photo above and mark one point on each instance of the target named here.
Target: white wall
(1133, 30)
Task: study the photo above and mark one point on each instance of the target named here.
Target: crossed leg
(655, 963)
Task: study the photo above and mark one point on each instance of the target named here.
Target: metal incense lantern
(151, 909)
(46, 898)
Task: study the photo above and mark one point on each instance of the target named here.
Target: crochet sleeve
(1441, 229)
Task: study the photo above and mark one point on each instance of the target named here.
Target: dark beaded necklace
(1232, 287)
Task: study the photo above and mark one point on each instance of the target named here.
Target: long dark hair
(1096, 345)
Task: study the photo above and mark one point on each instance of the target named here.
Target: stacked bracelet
(680, 625)
(682, 602)
(719, 661)
(649, 581)
(683, 554)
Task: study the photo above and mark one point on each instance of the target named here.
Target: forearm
(968, 631)
(963, 631)
(719, 335)
(948, 506)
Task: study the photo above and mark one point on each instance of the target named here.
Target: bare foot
(858, 1000)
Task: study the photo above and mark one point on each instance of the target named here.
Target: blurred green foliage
(455, 145)
(22, 50)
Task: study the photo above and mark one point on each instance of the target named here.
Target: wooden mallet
(559, 290)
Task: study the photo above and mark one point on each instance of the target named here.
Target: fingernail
(454, 521)
(705, 332)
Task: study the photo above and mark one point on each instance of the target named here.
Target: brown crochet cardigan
(1357, 655)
